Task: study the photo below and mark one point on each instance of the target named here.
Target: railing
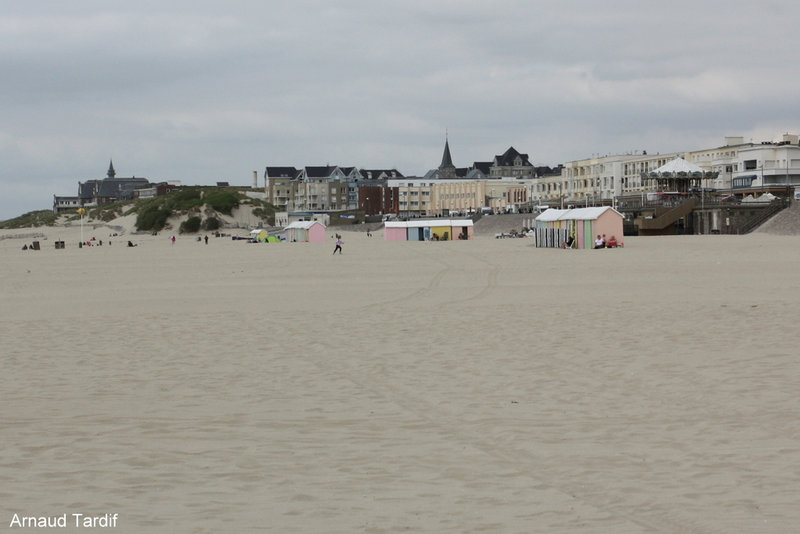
(762, 217)
(668, 217)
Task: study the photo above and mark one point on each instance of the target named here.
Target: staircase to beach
(663, 219)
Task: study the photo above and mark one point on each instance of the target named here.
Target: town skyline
(211, 93)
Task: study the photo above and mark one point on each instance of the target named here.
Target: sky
(206, 91)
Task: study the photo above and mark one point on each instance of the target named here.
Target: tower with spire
(447, 169)
(111, 172)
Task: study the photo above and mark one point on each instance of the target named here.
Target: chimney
(255, 179)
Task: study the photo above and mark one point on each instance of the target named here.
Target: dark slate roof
(319, 172)
(462, 172)
(376, 174)
(86, 189)
(447, 161)
(110, 187)
(281, 172)
(508, 157)
(547, 171)
(483, 166)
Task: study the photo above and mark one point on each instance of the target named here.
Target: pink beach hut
(305, 232)
(395, 231)
(553, 226)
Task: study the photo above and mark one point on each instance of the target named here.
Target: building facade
(433, 197)
(511, 164)
(767, 165)
(93, 193)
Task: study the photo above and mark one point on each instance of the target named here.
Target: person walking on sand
(172, 239)
(339, 244)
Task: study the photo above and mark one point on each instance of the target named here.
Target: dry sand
(481, 386)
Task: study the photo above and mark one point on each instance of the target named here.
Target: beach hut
(554, 226)
(395, 231)
(305, 232)
(462, 229)
(428, 229)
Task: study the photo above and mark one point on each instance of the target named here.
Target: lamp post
(81, 212)
(787, 170)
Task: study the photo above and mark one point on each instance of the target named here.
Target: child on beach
(339, 244)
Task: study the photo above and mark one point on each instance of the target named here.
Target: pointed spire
(447, 161)
(111, 172)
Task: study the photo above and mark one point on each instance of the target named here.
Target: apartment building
(511, 164)
(724, 160)
(767, 165)
(429, 197)
(281, 187)
(599, 180)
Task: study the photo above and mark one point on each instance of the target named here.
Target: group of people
(601, 242)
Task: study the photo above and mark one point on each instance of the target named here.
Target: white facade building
(768, 165)
(598, 180)
(739, 165)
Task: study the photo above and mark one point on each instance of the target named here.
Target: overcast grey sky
(202, 91)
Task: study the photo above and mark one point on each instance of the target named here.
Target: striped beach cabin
(554, 226)
(428, 230)
(305, 232)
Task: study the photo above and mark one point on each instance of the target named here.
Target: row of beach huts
(552, 228)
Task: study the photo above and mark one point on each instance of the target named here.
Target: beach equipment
(259, 235)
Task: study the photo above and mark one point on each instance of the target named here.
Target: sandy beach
(468, 386)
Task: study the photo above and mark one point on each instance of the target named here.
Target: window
(749, 164)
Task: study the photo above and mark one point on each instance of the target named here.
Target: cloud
(197, 91)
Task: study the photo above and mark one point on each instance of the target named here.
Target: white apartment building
(758, 165)
(598, 180)
(723, 160)
(739, 165)
(768, 165)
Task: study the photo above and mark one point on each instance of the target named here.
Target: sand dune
(481, 386)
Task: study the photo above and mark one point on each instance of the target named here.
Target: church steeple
(447, 160)
(111, 172)
(447, 168)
